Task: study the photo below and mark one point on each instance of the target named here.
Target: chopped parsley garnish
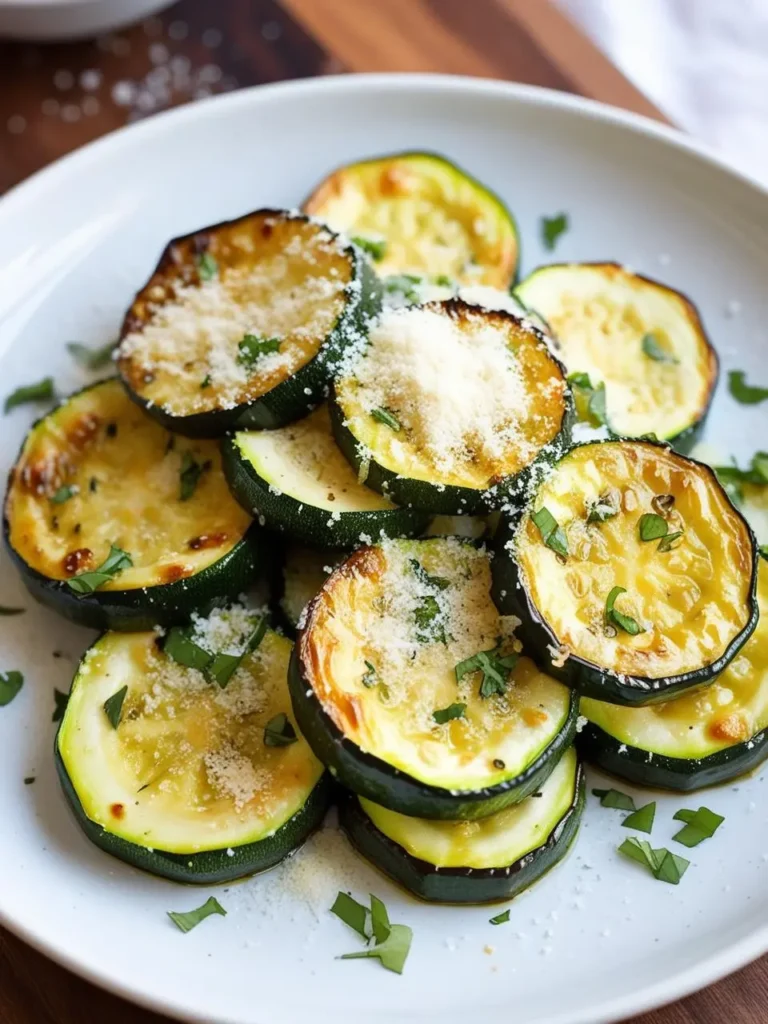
(427, 617)
(40, 392)
(189, 475)
(185, 921)
(278, 732)
(762, 551)
(663, 865)
(616, 618)
(113, 706)
(602, 508)
(10, 684)
(667, 543)
(351, 913)
(699, 825)
(29, 780)
(91, 358)
(552, 228)
(205, 382)
(747, 394)
(403, 284)
(64, 493)
(443, 281)
(731, 477)
(370, 677)
(207, 267)
(448, 714)
(6, 610)
(61, 701)
(217, 668)
(441, 582)
(653, 349)
(615, 799)
(184, 651)
(652, 527)
(495, 670)
(551, 533)
(391, 952)
(590, 401)
(253, 347)
(222, 666)
(642, 818)
(375, 248)
(113, 564)
(501, 918)
(385, 416)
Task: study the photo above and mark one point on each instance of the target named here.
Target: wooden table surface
(58, 97)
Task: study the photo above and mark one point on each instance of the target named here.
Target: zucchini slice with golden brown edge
(242, 324)
(99, 482)
(632, 572)
(175, 773)
(419, 214)
(448, 407)
(296, 481)
(409, 686)
(472, 862)
(643, 340)
(699, 739)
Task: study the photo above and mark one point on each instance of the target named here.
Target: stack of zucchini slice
(354, 393)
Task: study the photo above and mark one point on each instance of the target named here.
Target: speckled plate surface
(598, 939)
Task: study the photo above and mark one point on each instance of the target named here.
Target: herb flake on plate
(186, 920)
(746, 394)
(10, 684)
(552, 228)
(40, 392)
(615, 799)
(699, 825)
(641, 819)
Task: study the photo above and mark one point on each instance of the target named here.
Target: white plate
(48, 20)
(598, 939)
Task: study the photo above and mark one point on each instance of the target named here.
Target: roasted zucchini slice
(179, 776)
(304, 571)
(419, 214)
(241, 324)
(699, 739)
(633, 573)
(409, 686)
(99, 482)
(643, 340)
(296, 481)
(472, 861)
(447, 407)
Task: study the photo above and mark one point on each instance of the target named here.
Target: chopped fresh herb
(614, 798)
(380, 925)
(496, 671)
(443, 281)
(602, 508)
(206, 381)
(369, 677)
(352, 913)
(91, 358)
(653, 349)
(449, 713)
(10, 684)
(663, 865)
(189, 475)
(428, 615)
(113, 706)
(223, 666)
(501, 918)
(187, 920)
(63, 494)
(375, 248)
(552, 228)
(5, 610)
(551, 533)
(392, 952)
(278, 732)
(403, 284)
(441, 582)
(667, 543)
(179, 646)
(652, 526)
(386, 417)
(762, 551)
(590, 401)
(252, 348)
(61, 700)
(114, 563)
(40, 392)
(207, 267)
(642, 818)
(745, 393)
(731, 477)
(699, 825)
(612, 615)
(29, 780)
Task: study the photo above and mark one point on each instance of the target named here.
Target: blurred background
(701, 64)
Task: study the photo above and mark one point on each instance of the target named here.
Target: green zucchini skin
(511, 598)
(460, 885)
(168, 604)
(298, 394)
(443, 499)
(659, 771)
(379, 781)
(307, 523)
(211, 867)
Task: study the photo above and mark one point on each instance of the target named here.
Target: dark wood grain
(218, 45)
